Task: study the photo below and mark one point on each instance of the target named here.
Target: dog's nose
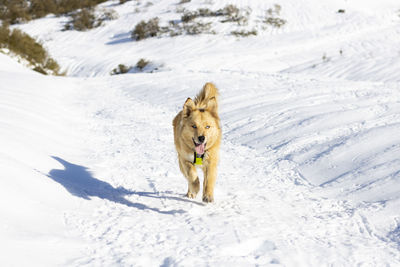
(201, 138)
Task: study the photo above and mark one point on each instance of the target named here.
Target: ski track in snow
(309, 170)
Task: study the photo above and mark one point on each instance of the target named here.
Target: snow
(309, 172)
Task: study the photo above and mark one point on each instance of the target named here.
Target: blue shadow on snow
(120, 39)
(79, 182)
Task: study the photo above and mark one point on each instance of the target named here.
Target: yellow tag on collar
(199, 161)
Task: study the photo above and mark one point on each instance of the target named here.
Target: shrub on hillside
(142, 63)
(272, 18)
(106, 14)
(188, 23)
(147, 29)
(139, 67)
(230, 11)
(86, 19)
(121, 69)
(233, 14)
(188, 16)
(206, 12)
(27, 48)
(197, 28)
(4, 35)
(17, 11)
(14, 11)
(244, 33)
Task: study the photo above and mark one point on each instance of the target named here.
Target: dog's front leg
(210, 175)
(189, 171)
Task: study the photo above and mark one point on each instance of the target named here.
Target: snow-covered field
(310, 161)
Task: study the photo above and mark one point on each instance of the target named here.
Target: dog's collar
(198, 159)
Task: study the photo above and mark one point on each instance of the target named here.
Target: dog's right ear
(188, 107)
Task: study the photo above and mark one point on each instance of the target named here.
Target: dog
(197, 137)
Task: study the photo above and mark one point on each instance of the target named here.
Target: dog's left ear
(212, 105)
(188, 107)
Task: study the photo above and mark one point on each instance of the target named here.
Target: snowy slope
(309, 171)
(367, 34)
(35, 124)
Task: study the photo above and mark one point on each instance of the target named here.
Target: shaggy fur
(197, 129)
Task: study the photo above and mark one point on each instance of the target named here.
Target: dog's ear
(188, 107)
(212, 105)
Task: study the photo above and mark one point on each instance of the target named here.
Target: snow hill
(310, 160)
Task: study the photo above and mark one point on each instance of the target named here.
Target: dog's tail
(209, 92)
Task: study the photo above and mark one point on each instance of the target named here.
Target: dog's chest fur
(189, 156)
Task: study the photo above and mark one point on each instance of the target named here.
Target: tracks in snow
(265, 212)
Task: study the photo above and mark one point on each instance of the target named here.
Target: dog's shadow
(78, 181)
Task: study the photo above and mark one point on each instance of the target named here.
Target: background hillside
(309, 172)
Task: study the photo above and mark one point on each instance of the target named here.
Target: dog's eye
(194, 127)
(207, 127)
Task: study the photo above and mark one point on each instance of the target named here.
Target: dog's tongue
(200, 149)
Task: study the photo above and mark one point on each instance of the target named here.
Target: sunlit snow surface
(310, 160)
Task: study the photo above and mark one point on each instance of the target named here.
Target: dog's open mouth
(200, 148)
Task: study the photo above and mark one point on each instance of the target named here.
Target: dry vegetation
(189, 23)
(16, 11)
(272, 17)
(142, 63)
(244, 33)
(27, 48)
(86, 19)
(146, 29)
(234, 14)
(121, 69)
(139, 67)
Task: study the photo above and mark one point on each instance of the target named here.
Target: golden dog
(197, 136)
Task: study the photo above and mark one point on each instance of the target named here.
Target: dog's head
(201, 124)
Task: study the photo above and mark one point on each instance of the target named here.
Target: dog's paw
(191, 195)
(208, 198)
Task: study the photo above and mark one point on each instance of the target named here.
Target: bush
(230, 11)
(274, 11)
(234, 14)
(139, 67)
(107, 14)
(27, 48)
(189, 25)
(188, 16)
(191, 28)
(272, 19)
(243, 33)
(85, 19)
(141, 64)
(275, 22)
(16, 11)
(201, 12)
(205, 12)
(197, 28)
(121, 69)
(4, 35)
(147, 29)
